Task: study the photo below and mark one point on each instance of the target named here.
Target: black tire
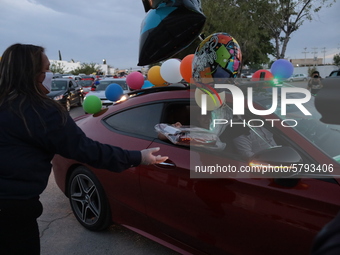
(88, 200)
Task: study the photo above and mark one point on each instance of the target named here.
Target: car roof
(113, 79)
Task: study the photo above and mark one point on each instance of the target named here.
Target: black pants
(19, 231)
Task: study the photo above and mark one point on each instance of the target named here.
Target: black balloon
(168, 27)
(151, 4)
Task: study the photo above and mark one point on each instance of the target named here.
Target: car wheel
(88, 200)
(68, 105)
(81, 100)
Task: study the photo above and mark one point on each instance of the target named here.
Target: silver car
(99, 90)
(297, 77)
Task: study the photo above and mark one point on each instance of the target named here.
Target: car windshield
(85, 83)
(324, 136)
(103, 84)
(59, 85)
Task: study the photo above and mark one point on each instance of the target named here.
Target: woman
(33, 129)
(314, 83)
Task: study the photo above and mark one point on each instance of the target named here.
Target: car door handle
(166, 164)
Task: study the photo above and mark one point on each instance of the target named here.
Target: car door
(131, 128)
(233, 215)
(73, 92)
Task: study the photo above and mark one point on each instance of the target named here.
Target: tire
(68, 105)
(81, 100)
(88, 200)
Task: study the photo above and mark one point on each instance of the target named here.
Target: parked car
(99, 90)
(67, 91)
(204, 215)
(86, 82)
(297, 77)
(74, 77)
(335, 73)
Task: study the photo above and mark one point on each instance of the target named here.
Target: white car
(99, 90)
(297, 77)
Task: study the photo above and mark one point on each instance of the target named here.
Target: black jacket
(25, 161)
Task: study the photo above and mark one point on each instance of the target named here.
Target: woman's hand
(148, 158)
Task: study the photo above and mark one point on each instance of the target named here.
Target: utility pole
(305, 52)
(315, 57)
(324, 53)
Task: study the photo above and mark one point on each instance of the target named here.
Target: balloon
(282, 69)
(168, 29)
(212, 101)
(186, 67)
(135, 80)
(218, 56)
(147, 84)
(114, 92)
(170, 71)
(97, 82)
(92, 104)
(155, 77)
(262, 74)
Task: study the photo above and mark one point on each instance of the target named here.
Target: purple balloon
(282, 69)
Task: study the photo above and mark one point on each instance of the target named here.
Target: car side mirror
(276, 162)
(327, 101)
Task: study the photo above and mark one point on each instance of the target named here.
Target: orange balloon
(154, 76)
(186, 67)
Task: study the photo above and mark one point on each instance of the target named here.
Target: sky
(89, 31)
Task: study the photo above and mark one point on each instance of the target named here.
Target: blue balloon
(147, 84)
(282, 69)
(114, 92)
(96, 82)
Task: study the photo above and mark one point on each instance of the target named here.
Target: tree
(233, 17)
(86, 68)
(281, 18)
(336, 59)
(261, 27)
(57, 68)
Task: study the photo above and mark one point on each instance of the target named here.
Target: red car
(202, 215)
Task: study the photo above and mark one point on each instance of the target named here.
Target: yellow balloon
(212, 104)
(154, 76)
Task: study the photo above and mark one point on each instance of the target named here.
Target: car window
(140, 120)
(58, 85)
(336, 73)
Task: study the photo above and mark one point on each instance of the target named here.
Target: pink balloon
(135, 80)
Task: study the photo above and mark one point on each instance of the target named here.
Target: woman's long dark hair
(20, 66)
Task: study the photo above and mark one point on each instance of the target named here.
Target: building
(307, 61)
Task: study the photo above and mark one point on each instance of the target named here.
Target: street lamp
(104, 61)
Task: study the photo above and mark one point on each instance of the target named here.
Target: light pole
(305, 52)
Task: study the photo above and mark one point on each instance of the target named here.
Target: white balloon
(211, 105)
(170, 71)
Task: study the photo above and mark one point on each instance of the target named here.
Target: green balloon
(92, 104)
